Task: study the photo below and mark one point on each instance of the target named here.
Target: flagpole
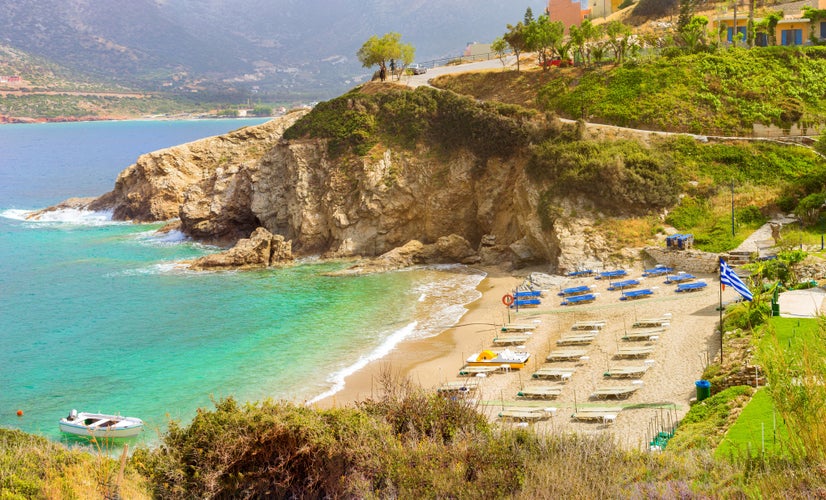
(721, 313)
(721, 319)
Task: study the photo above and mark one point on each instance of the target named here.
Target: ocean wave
(338, 378)
(64, 216)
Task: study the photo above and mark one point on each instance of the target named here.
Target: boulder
(261, 249)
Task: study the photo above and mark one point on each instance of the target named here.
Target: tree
(378, 51)
(528, 16)
(687, 9)
(619, 38)
(500, 47)
(544, 36)
(693, 34)
(517, 39)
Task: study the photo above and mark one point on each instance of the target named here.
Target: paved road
(419, 80)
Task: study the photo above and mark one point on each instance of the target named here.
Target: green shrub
(611, 174)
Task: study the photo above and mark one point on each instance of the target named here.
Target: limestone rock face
(261, 249)
(408, 206)
(207, 183)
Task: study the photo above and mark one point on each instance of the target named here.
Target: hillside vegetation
(724, 93)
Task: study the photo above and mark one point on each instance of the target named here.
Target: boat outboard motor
(72, 415)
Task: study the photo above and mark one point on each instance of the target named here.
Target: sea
(98, 315)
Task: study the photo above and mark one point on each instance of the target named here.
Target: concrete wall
(690, 261)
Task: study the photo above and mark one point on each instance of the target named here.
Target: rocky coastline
(267, 199)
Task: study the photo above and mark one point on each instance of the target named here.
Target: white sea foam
(337, 378)
(65, 216)
(441, 304)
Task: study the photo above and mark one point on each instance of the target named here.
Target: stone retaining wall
(690, 261)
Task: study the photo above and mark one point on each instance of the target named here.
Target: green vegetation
(34, 467)
(702, 425)
(612, 174)
(380, 51)
(758, 431)
(714, 94)
(357, 121)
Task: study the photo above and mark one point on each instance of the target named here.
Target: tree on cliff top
(378, 51)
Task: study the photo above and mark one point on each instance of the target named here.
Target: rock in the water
(261, 249)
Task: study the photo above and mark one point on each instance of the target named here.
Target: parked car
(556, 61)
(417, 69)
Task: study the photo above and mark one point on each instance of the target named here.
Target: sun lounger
(679, 278)
(691, 287)
(636, 294)
(622, 285)
(616, 392)
(657, 271)
(540, 392)
(583, 273)
(626, 371)
(458, 386)
(589, 325)
(643, 334)
(579, 299)
(619, 273)
(577, 339)
(605, 414)
(525, 303)
(566, 354)
(555, 373)
(524, 294)
(470, 371)
(665, 320)
(510, 340)
(515, 327)
(527, 414)
(576, 290)
(634, 352)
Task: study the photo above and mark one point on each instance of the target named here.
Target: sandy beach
(662, 394)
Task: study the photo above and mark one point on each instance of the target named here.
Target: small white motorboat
(99, 425)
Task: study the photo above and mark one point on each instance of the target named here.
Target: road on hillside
(419, 80)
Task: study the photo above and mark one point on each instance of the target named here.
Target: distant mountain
(287, 48)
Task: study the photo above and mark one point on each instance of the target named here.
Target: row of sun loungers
(521, 414)
(458, 386)
(644, 334)
(517, 327)
(563, 374)
(622, 285)
(603, 414)
(619, 273)
(540, 392)
(510, 340)
(566, 355)
(657, 271)
(691, 287)
(576, 290)
(626, 371)
(589, 325)
(637, 294)
(578, 338)
(679, 278)
(579, 299)
(616, 392)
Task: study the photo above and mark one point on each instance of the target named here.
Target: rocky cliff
(341, 205)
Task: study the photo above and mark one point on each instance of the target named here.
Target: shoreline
(430, 361)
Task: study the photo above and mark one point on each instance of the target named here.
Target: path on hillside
(761, 240)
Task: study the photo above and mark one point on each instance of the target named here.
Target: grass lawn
(792, 334)
(757, 431)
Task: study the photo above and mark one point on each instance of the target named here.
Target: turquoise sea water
(98, 316)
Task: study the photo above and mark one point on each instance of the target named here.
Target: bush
(621, 175)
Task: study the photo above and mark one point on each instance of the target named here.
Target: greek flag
(727, 277)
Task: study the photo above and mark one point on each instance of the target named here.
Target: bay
(100, 316)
